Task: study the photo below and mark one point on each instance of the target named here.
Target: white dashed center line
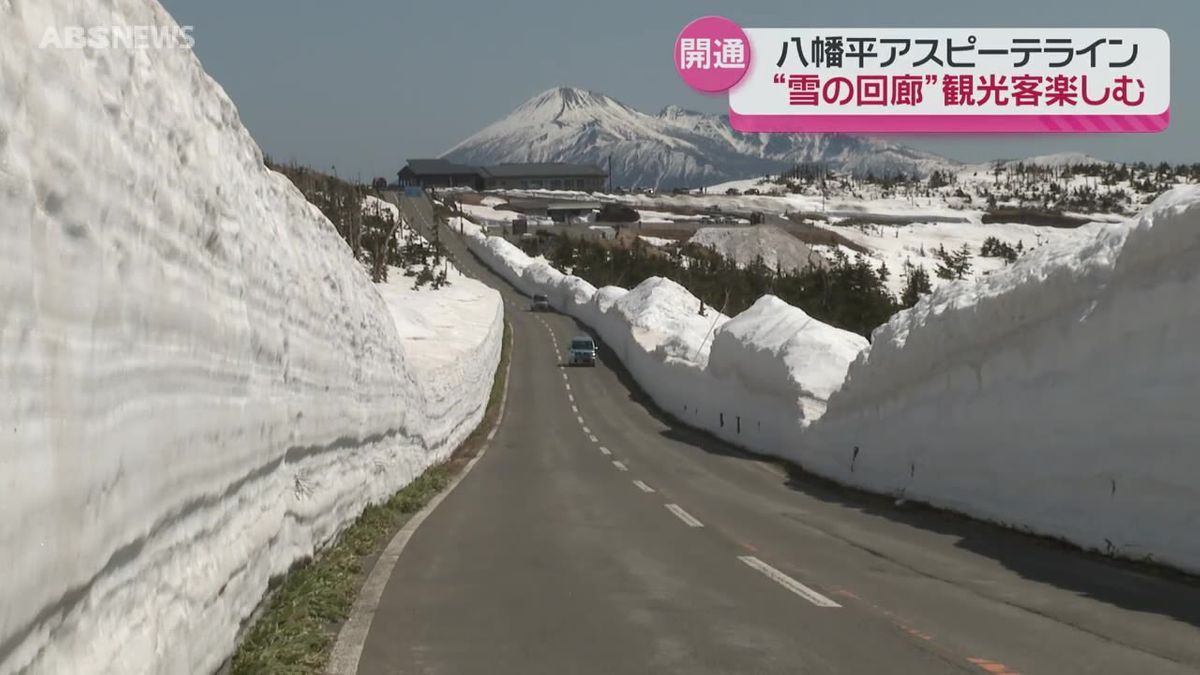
(593, 439)
(605, 451)
(643, 487)
(586, 430)
(620, 466)
(686, 517)
(580, 419)
(788, 582)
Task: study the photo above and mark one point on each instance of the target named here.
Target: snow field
(202, 386)
(917, 244)
(1054, 395)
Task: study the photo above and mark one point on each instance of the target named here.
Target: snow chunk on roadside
(752, 347)
(664, 318)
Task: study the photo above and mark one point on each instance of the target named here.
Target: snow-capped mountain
(676, 147)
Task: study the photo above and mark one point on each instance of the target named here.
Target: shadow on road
(1134, 586)
(1130, 585)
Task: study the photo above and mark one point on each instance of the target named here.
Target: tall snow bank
(1058, 396)
(780, 351)
(200, 385)
(663, 318)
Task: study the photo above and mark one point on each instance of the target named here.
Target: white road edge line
(620, 466)
(686, 517)
(605, 451)
(788, 582)
(348, 648)
(643, 487)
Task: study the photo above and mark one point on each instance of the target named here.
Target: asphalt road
(595, 536)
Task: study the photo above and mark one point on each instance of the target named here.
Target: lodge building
(441, 173)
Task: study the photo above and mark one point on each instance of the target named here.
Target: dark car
(540, 303)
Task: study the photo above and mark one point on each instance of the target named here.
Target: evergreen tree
(916, 285)
(953, 266)
(846, 293)
(962, 262)
(945, 266)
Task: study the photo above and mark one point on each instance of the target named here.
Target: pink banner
(954, 124)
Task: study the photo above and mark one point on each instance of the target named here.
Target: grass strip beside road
(297, 628)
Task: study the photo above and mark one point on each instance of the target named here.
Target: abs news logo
(118, 37)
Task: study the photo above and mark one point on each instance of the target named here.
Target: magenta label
(712, 54)
(932, 80)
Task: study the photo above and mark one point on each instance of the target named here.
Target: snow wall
(1056, 396)
(200, 385)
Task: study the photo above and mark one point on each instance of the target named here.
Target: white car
(582, 351)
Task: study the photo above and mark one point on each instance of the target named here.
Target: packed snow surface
(1056, 394)
(201, 385)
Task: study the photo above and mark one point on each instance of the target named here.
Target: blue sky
(362, 84)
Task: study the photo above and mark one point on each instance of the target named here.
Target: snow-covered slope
(917, 244)
(1055, 395)
(675, 148)
(745, 245)
(200, 384)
